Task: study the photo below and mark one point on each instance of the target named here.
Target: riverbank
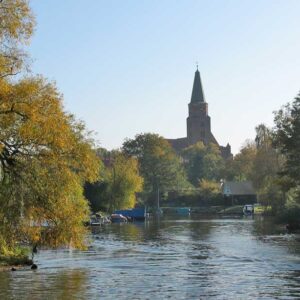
(8, 263)
(220, 210)
(16, 260)
(13, 267)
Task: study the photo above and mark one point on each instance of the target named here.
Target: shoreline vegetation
(19, 258)
(7, 263)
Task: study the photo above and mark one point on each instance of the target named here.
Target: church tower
(198, 121)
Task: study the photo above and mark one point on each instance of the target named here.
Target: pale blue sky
(127, 67)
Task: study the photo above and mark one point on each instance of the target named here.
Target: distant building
(198, 123)
(239, 192)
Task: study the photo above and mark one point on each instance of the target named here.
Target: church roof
(197, 94)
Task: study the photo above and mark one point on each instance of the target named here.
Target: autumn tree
(45, 158)
(209, 188)
(45, 154)
(120, 181)
(260, 162)
(16, 28)
(124, 182)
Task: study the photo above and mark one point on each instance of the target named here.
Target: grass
(238, 209)
(16, 258)
(206, 209)
(259, 209)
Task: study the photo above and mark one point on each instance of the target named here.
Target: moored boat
(118, 218)
(183, 210)
(248, 210)
(134, 214)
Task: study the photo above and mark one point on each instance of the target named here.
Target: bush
(18, 256)
(290, 215)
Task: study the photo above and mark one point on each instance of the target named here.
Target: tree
(45, 157)
(209, 188)
(287, 140)
(241, 167)
(267, 159)
(45, 154)
(259, 162)
(203, 162)
(158, 163)
(213, 162)
(17, 25)
(194, 164)
(97, 195)
(266, 167)
(124, 182)
(120, 181)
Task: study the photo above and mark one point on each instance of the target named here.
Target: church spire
(197, 94)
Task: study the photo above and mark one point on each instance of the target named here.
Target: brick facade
(198, 123)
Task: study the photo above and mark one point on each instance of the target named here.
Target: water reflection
(45, 284)
(178, 258)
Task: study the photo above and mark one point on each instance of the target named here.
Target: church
(198, 123)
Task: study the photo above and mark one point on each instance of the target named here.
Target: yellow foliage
(124, 182)
(46, 156)
(209, 188)
(17, 25)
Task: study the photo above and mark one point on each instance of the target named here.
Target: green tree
(266, 167)
(203, 162)
(124, 182)
(260, 162)
(97, 195)
(241, 167)
(159, 165)
(287, 140)
(120, 181)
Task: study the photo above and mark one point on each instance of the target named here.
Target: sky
(127, 67)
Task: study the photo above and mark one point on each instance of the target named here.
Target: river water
(169, 258)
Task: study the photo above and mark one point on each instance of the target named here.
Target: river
(169, 258)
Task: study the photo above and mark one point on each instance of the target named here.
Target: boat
(183, 210)
(98, 220)
(248, 210)
(118, 218)
(95, 220)
(134, 214)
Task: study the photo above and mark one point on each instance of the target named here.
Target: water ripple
(178, 259)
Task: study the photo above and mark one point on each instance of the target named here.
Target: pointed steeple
(197, 94)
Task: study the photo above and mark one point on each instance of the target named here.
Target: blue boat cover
(132, 213)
